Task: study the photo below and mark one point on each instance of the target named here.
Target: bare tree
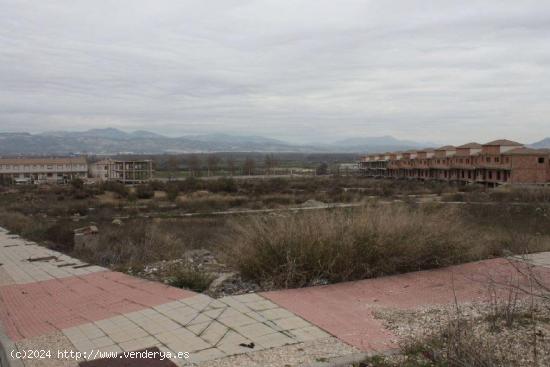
(248, 166)
(270, 162)
(194, 164)
(212, 162)
(173, 165)
(231, 166)
(322, 169)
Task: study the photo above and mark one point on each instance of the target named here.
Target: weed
(339, 245)
(195, 280)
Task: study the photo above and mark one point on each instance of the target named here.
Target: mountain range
(112, 141)
(542, 144)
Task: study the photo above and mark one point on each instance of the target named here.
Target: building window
(497, 159)
(488, 160)
(541, 160)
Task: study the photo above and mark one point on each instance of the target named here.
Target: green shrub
(223, 184)
(157, 185)
(115, 187)
(172, 191)
(195, 280)
(77, 183)
(144, 191)
(190, 184)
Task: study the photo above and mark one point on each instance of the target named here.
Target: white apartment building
(43, 170)
(124, 171)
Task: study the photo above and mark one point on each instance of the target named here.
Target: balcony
(495, 165)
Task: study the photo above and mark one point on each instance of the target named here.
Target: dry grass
(290, 250)
(209, 202)
(504, 194)
(109, 198)
(510, 330)
(133, 246)
(57, 235)
(140, 242)
(302, 249)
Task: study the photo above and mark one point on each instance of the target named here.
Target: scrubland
(397, 226)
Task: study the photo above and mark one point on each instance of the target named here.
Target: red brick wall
(463, 152)
(491, 149)
(527, 169)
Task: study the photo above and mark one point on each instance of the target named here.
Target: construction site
(494, 163)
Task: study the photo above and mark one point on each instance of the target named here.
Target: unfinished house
(125, 171)
(494, 163)
(43, 170)
(375, 165)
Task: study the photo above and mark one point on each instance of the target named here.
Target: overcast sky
(444, 71)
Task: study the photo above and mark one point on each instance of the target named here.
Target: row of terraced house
(495, 163)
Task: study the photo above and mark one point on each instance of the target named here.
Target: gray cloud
(310, 69)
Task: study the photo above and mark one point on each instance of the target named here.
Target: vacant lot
(331, 246)
(398, 226)
(506, 330)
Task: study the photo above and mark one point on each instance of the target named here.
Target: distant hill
(379, 144)
(113, 141)
(544, 143)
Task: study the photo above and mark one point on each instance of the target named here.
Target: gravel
(486, 324)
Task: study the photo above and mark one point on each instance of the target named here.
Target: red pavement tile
(346, 309)
(28, 310)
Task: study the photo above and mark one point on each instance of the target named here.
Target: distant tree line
(232, 164)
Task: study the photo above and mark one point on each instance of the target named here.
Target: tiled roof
(447, 147)
(470, 146)
(504, 142)
(43, 161)
(528, 151)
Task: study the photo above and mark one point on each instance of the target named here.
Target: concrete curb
(6, 347)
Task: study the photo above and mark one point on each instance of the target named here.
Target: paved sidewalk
(51, 301)
(346, 310)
